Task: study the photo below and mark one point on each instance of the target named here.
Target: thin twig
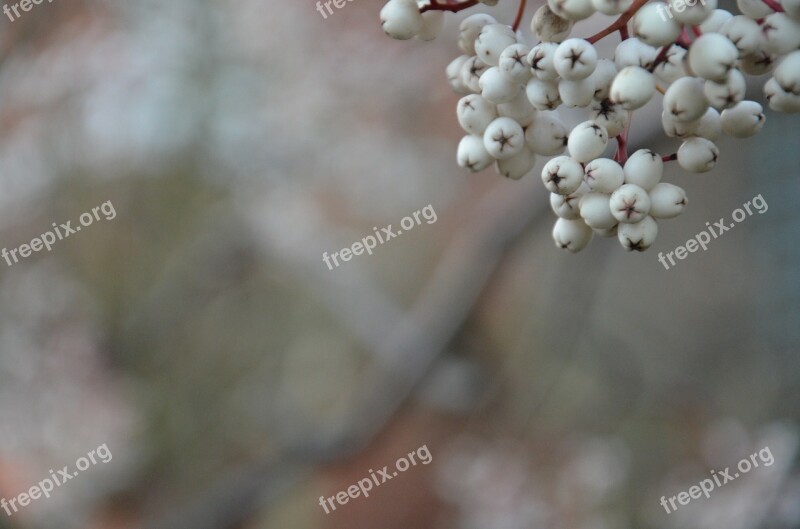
(436, 5)
(775, 6)
(619, 23)
(520, 12)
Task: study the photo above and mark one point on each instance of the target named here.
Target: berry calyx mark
(637, 246)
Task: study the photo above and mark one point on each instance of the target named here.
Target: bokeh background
(235, 379)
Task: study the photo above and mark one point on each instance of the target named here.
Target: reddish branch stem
(696, 30)
(669, 157)
(775, 6)
(620, 23)
(661, 57)
(437, 5)
(520, 12)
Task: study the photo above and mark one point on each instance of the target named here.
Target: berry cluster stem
(619, 23)
(661, 57)
(437, 5)
(520, 12)
(669, 157)
(775, 6)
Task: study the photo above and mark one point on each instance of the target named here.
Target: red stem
(669, 157)
(696, 31)
(437, 5)
(661, 57)
(520, 12)
(619, 23)
(775, 6)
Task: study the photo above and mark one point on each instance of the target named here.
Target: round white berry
(633, 87)
(571, 9)
(504, 138)
(474, 113)
(787, 74)
(470, 28)
(575, 59)
(432, 24)
(652, 26)
(613, 117)
(472, 154)
(602, 78)
(677, 129)
(743, 120)
(744, 33)
(595, 210)
(709, 126)
(639, 236)
(667, 201)
(518, 165)
(611, 7)
(634, 52)
(572, 235)
(692, 13)
(567, 206)
(562, 175)
(493, 39)
(754, 9)
(471, 73)
(514, 63)
(519, 109)
(780, 100)
(603, 175)
(712, 56)
(644, 169)
(698, 155)
(543, 95)
(496, 87)
(685, 99)
(453, 72)
(547, 135)
(550, 27)
(781, 33)
(728, 93)
(401, 19)
(629, 204)
(672, 68)
(576, 93)
(587, 141)
(541, 61)
(606, 232)
(714, 22)
(758, 63)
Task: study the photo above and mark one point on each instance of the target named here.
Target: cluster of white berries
(512, 93)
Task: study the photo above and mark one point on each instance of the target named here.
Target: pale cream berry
(633, 87)
(781, 33)
(709, 126)
(715, 22)
(567, 206)
(471, 73)
(493, 39)
(743, 120)
(514, 63)
(667, 201)
(504, 138)
(629, 204)
(575, 59)
(728, 93)
(518, 165)
(638, 237)
(744, 33)
(613, 117)
(550, 27)
(692, 13)
(612, 7)
(698, 155)
(453, 72)
(572, 9)
(541, 61)
(685, 99)
(474, 113)
(602, 78)
(562, 175)
(547, 135)
(543, 95)
(496, 87)
(644, 169)
(652, 25)
(470, 28)
(472, 154)
(603, 175)
(587, 141)
(519, 109)
(572, 235)
(576, 93)
(712, 56)
(401, 19)
(787, 74)
(672, 68)
(595, 210)
(677, 129)
(634, 52)
(778, 99)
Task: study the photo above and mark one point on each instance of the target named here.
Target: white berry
(638, 237)
(572, 235)
(633, 87)
(475, 113)
(595, 210)
(685, 99)
(472, 154)
(712, 56)
(575, 59)
(644, 168)
(667, 201)
(629, 204)
(562, 175)
(698, 155)
(401, 19)
(587, 141)
(743, 120)
(604, 175)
